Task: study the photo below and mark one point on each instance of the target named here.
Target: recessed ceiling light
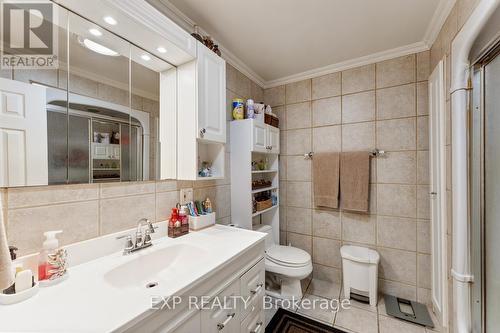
(98, 48)
(145, 57)
(161, 49)
(110, 20)
(95, 32)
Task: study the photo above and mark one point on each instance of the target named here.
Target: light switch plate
(186, 195)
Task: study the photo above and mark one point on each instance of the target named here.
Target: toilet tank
(269, 234)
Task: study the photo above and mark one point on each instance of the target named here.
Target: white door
(437, 158)
(23, 134)
(273, 139)
(259, 137)
(211, 96)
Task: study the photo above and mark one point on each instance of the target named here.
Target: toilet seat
(288, 256)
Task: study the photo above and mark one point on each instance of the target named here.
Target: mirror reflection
(96, 118)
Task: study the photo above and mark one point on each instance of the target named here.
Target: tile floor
(359, 318)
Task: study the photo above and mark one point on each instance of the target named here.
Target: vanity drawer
(253, 285)
(254, 322)
(224, 318)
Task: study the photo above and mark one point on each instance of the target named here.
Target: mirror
(92, 119)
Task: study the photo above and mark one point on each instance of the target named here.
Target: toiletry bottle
(174, 217)
(182, 214)
(50, 245)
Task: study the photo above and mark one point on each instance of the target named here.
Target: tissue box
(202, 221)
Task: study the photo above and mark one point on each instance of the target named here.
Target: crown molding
(438, 19)
(351, 63)
(187, 24)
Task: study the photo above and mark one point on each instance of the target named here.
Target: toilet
(285, 267)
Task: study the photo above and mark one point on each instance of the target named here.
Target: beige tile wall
(89, 210)
(441, 49)
(382, 105)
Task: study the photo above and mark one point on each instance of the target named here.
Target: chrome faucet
(141, 241)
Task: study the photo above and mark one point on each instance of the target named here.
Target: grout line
(99, 221)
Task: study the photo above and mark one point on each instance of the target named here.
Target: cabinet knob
(202, 132)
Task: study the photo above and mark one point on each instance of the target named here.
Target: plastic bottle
(250, 109)
(49, 246)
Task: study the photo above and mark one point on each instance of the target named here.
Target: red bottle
(174, 217)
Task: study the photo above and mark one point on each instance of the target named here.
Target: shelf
(210, 178)
(106, 144)
(106, 169)
(265, 189)
(264, 171)
(265, 210)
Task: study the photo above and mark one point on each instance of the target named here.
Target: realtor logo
(29, 34)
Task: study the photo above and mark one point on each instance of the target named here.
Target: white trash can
(360, 271)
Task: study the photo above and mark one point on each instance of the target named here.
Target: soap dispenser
(52, 259)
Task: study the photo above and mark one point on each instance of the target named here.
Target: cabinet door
(273, 139)
(115, 152)
(192, 325)
(252, 285)
(259, 137)
(100, 152)
(211, 95)
(254, 323)
(220, 314)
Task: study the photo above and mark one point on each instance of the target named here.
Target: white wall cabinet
(252, 142)
(273, 139)
(211, 70)
(259, 137)
(198, 119)
(265, 138)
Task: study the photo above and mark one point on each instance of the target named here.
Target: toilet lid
(288, 255)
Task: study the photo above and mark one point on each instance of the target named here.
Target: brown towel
(326, 179)
(6, 277)
(355, 181)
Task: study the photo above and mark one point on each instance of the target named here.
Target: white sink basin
(146, 266)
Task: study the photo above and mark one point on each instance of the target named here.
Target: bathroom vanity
(124, 293)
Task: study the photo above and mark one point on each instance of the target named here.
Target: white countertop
(87, 302)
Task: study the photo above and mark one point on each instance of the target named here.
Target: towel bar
(373, 153)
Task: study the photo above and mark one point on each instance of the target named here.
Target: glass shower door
(492, 194)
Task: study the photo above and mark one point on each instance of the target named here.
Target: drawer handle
(202, 132)
(220, 326)
(256, 290)
(258, 327)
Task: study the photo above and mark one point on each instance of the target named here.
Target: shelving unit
(247, 140)
(263, 171)
(264, 211)
(270, 188)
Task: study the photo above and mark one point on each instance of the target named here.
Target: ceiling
(280, 39)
